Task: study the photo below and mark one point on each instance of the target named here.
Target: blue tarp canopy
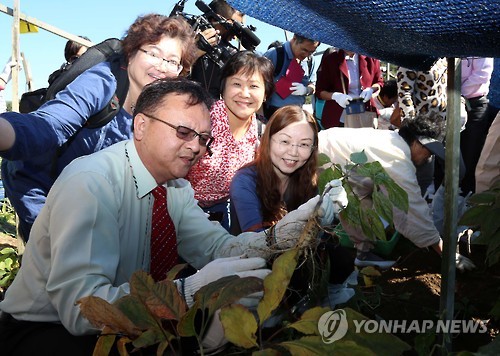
(409, 33)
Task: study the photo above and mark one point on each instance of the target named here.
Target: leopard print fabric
(423, 92)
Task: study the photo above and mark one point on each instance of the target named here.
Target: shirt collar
(144, 181)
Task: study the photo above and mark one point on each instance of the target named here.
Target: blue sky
(97, 20)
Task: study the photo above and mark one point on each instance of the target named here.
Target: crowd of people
(190, 171)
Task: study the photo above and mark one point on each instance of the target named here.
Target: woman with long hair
(283, 177)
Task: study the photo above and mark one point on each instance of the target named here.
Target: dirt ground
(411, 291)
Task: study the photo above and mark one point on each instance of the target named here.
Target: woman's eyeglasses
(171, 65)
(187, 134)
(302, 147)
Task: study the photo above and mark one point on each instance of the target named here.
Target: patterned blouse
(421, 92)
(212, 175)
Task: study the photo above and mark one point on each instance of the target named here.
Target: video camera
(218, 54)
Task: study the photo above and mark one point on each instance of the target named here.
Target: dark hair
(71, 49)
(153, 93)
(389, 89)
(302, 184)
(249, 62)
(429, 125)
(222, 8)
(300, 39)
(150, 28)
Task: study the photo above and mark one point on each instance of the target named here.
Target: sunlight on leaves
(308, 323)
(239, 325)
(276, 283)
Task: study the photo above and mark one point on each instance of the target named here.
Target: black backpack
(109, 50)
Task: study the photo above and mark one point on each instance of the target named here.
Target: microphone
(202, 6)
(249, 39)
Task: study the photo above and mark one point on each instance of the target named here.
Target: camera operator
(205, 70)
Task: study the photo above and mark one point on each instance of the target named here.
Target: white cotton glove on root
(6, 74)
(342, 99)
(298, 89)
(463, 263)
(223, 267)
(366, 94)
(288, 229)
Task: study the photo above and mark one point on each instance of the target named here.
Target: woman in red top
(343, 76)
(247, 80)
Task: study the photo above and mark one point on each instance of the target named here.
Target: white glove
(6, 75)
(287, 230)
(298, 89)
(223, 267)
(214, 337)
(463, 263)
(334, 200)
(341, 99)
(337, 195)
(366, 94)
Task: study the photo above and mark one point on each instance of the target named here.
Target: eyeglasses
(187, 134)
(302, 147)
(171, 65)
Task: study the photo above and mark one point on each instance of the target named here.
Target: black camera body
(218, 54)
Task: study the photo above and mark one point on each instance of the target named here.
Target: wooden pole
(16, 57)
(45, 26)
(452, 164)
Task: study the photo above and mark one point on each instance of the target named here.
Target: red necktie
(163, 241)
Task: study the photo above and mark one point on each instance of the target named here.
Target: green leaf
(237, 289)
(307, 345)
(382, 206)
(308, 323)
(8, 251)
(8, 263)
(493, 251)
(141, 285)
(484, 198)
(324, 177)
(276, 283)
(165, 301)
(267, 352)
(490, 221)
(372, 225)
(376, 343)
(207, 295)
(495, 311)
(473, 216)
(239, 325)
(136, 311)
(151, 337)
(397, 195)
(359, 157)
(323, 159)
(493, 348)
(104, 342)
(186, 327)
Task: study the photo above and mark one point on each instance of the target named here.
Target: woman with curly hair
(36, 146)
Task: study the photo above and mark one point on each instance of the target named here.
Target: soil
(411, 291)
